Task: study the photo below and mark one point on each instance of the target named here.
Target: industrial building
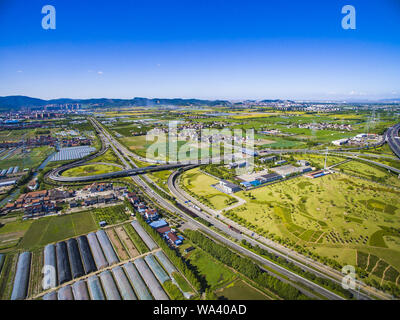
(302, 163)
(267, 159)
(340, 142)
(288, 170)
(158, 224)
(227, 187)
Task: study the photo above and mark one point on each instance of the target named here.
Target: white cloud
(99, 72)
(19, 71)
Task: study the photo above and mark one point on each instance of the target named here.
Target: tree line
(245, 266)
(324, 282)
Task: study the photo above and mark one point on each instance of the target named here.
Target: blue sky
(200, 49)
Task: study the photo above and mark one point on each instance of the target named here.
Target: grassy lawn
(108, 157)
(161, 178)
(367, 171)
(199, 185)
(183, 284)
(239, 290)
(316, 160)
(215, 273)
(333, 216)
(90, 170)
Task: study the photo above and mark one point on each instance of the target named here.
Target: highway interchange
(305, 263)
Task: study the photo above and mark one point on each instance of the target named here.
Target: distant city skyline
(231, 50)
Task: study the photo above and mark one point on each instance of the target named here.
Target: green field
(108, 157)
(161, 178)
(199, 186)
(364, 170)
(282, 143)
(159, 148)
(183, 284)
(316, 160)
(136, 239)
(7, 276)
(172, 290)
(90, 170)
(111, 215)
(215, 274)
(239, 290)
(31, 159)
(53, 229)
(332, 216)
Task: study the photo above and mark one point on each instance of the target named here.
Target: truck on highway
(234, 229)
(196, 207)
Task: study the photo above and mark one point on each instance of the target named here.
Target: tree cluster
(245, 266)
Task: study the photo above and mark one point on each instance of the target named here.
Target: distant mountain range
(17, 102)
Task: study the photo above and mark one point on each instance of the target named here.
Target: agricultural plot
(52, 229)
(7, 275)
(127, 242)
(380, 268)
(12, 230)
(372, 262)
(391, 274)
(72, 153)
(111, 215)
(198, 185)
(182, 283)
(362, 260)
(136, 239)
(123, 255)
(282, 143)
(143, 279)
(36, 276)
(159, 148)
(32, 158)
(377, 267)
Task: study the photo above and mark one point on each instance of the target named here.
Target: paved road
(122, 151)
(125, 156)
(269, 246)
(392, 138)
(115, 145)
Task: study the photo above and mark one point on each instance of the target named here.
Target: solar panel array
(72, 153)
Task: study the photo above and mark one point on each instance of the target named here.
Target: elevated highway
(124, 155)
(393, 139)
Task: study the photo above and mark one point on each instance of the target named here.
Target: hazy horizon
(209, 50)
